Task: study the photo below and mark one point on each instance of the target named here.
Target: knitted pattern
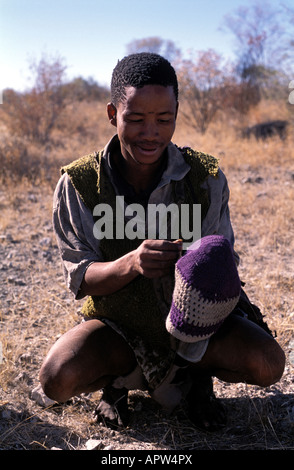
(208, 163)
(207, 288)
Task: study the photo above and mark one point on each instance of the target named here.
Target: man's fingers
(162, 245)
(156, 257)
(160, 255)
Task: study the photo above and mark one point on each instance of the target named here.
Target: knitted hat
(207, 288)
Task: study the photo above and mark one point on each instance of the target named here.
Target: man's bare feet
(112, 410)
(204, 410)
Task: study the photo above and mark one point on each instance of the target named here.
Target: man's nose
(150, 130)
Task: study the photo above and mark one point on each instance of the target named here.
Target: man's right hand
(155, 258)
(152, 259)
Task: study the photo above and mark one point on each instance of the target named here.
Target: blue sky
(91, 35)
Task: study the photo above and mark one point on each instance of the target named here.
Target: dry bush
(21, 160)
(82, 128)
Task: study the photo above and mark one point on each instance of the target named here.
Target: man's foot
(204, 409)
(112, 410)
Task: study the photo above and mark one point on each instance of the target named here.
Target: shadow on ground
(253, 424)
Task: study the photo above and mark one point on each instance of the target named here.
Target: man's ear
(111, 112)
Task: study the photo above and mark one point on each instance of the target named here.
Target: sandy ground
(35, 309)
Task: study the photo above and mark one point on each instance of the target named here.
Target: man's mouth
(148, 148)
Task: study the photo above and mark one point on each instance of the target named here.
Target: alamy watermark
(1, 353)
(158, 221)
(291, 94)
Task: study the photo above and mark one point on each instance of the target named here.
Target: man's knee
(266, 365)
(57, 382)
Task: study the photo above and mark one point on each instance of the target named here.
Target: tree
(34, 113)
(288, 19)
(164, 47)
(260, 39)
(80, 89)
(202, 79)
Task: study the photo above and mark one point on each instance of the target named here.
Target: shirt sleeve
(73, 225)
(217, 220)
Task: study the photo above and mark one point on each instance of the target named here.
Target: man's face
(145, 122)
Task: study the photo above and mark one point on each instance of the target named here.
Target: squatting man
(163, 315)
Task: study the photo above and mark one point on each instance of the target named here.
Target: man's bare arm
(153, 258)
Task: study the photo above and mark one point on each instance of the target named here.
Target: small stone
(94, 444)
(9, 237)
(40, 398)
(22, 377)
(32, 197)
(246, 180)
(46, 241)
(291, 358)
(26, 357)
(16, 281)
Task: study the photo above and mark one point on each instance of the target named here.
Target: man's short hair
(138, 70)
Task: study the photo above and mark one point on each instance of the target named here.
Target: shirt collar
(176, 167)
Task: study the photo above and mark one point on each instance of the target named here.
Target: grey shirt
(73, 221)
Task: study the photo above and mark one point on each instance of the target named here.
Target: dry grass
(35, 307)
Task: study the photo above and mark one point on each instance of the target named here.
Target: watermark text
(157, 221)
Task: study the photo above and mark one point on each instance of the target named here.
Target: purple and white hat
(207, 289)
